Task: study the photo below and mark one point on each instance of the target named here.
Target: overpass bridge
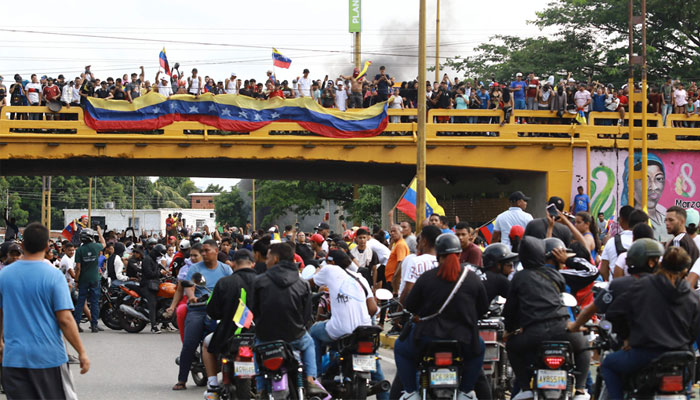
(547, 157)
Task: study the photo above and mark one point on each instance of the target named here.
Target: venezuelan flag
(487, 231)
(243, 316)
(69, 231)
(164, 62)
(232, 113)
(279, 60)
(407, 204)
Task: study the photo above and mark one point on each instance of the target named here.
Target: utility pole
(420, 144)
(133, 201)
(89, 202)
(253, 205)
(437, 43)
(43, 200)
(355, 27)
(48, 203)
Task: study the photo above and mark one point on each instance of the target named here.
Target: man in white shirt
(413, 266)
(363, 256)
(515, 215)
(304, 85)
(615, 244)
(34, 93)
(164, 87)
(341, 96)
(352, 302)
(67, 264)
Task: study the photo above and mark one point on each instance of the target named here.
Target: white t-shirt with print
(413, 266)
(348, 300)
(34, 95)
(341, 99)
(67, 264)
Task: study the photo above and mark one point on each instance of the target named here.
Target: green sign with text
(355, 20)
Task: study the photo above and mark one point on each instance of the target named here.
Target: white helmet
(185, 245)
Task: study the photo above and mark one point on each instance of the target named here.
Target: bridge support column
(390, 196)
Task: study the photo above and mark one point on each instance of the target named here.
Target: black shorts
(48, 383)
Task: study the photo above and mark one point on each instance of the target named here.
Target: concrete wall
(149, 219)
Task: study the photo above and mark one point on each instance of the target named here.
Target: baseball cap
(323, 225)
(83, 216)
(272, 229)
(519, 74)
(557, 201)
(516, 231)
(233, 74)
(339, 257)
(515, 196)
(339, 83)
(243, 254)
(692, 217)
(317, 238)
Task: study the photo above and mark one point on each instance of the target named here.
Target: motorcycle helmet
(150, 242)
(555, 243)
(87, 235)
(158, 250)
(639, 253)
(185, 245)
(447, 243)
(497, 253)
(196, 237)
(531, 252)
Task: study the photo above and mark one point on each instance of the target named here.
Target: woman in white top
(396, 103)
(231, 87)
(115, 266)
(194, 84)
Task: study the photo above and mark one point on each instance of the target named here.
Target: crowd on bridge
(259, 281)
(560, 97)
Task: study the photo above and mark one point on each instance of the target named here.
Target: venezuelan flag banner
(487, 231)
(279, 60)
(69, 231)
(232, 113)
(407, 204)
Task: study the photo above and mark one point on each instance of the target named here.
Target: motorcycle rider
(222, 305)
(498, 262)
(352, 305)
(196, 324)
(534, 313)
(150, 279)
(282, 308)
(115, 266)
(413, 266)
(458, 320)
(574, 265)
(180, 258)
(642, 260)
(661, 313)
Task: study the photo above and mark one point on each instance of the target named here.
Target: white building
(148, 220)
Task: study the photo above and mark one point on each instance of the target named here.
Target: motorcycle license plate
(443, 377)
(551, 379)
(242, 368)
(363, 363)
(670, 397)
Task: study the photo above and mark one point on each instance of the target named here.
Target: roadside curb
(387, 341)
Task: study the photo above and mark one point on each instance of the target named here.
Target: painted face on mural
(656, 181)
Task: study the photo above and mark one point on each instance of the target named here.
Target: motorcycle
(352, 360)
(197, 369)
(496, 368)
(134, 308)
(282, 371)
(237, 367)
(109, 306)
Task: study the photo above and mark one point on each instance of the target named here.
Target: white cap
(339, 83)
(519, 74)
(164, 77)
(233, 74)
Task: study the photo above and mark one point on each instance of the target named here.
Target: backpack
(619, 248)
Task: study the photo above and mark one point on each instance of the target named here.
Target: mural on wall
(669, 177)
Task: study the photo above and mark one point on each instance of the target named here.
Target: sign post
(355, 27)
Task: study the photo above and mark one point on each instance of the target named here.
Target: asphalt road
(142, 366)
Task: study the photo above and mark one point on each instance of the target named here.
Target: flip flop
(179, 386)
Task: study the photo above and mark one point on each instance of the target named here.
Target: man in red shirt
(471, 253)
(51, 92)
(624, 104)
(533, 87)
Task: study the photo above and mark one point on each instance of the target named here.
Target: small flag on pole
(69, 230)
(487, 231)
(164, 62)
(407, 204)
(279, 60)
(243, 317)
(364, 70)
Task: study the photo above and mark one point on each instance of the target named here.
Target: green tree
(368, 206)
(212, 188)
(231, 208)
(182, 185)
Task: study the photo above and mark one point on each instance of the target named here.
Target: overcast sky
(237, 36)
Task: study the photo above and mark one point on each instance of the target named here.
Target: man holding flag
(356, 80)
(232, 295)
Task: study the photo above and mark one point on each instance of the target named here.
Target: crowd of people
(529, 262)
(362, 91)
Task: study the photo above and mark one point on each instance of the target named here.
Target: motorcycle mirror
(199, 279)
(605, 325)
(187, 284)
(308, 272)
(384, 294)
(568, 300)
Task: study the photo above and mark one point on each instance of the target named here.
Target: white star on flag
(156, 110)
(172, 106)
(258, 117)
(226, 112)
(193, 109)
(243, 114)
(212, 107)
(275, 115)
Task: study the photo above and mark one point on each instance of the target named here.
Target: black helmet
(497, 253)
(87, 235)
(151, 241)
(447, 243)
(531, 252)
(196, 237)
(554, 243)
(639, 253)
(158, 251)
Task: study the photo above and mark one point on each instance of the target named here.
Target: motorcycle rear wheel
(199, 376)
(359, 388)
(133, 325)
(110, 316)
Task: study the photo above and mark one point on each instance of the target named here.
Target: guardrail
(463, 126)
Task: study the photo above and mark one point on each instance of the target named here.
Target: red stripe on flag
(407, 208)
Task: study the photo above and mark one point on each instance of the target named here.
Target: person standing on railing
(517, 87)
(396, 104)
(383, 82)
(341, 96)
(194, 84)
(582, 98)
(441, 99)
(33, 92)
(507, 105)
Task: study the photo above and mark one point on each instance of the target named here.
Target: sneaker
(95, 329)
(73, 359)
(620, 122)
(167, 328)
(466, 396)
(582, 396)
(410, 396)
(212, 393)
(155, 330)
(527, 394)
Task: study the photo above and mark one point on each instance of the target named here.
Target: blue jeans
(519, 104)
(623, 363)
(407, 352)
(322, 340)
(91, 293)
(197, 325)
(665, 110)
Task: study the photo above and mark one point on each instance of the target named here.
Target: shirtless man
(355, 100)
